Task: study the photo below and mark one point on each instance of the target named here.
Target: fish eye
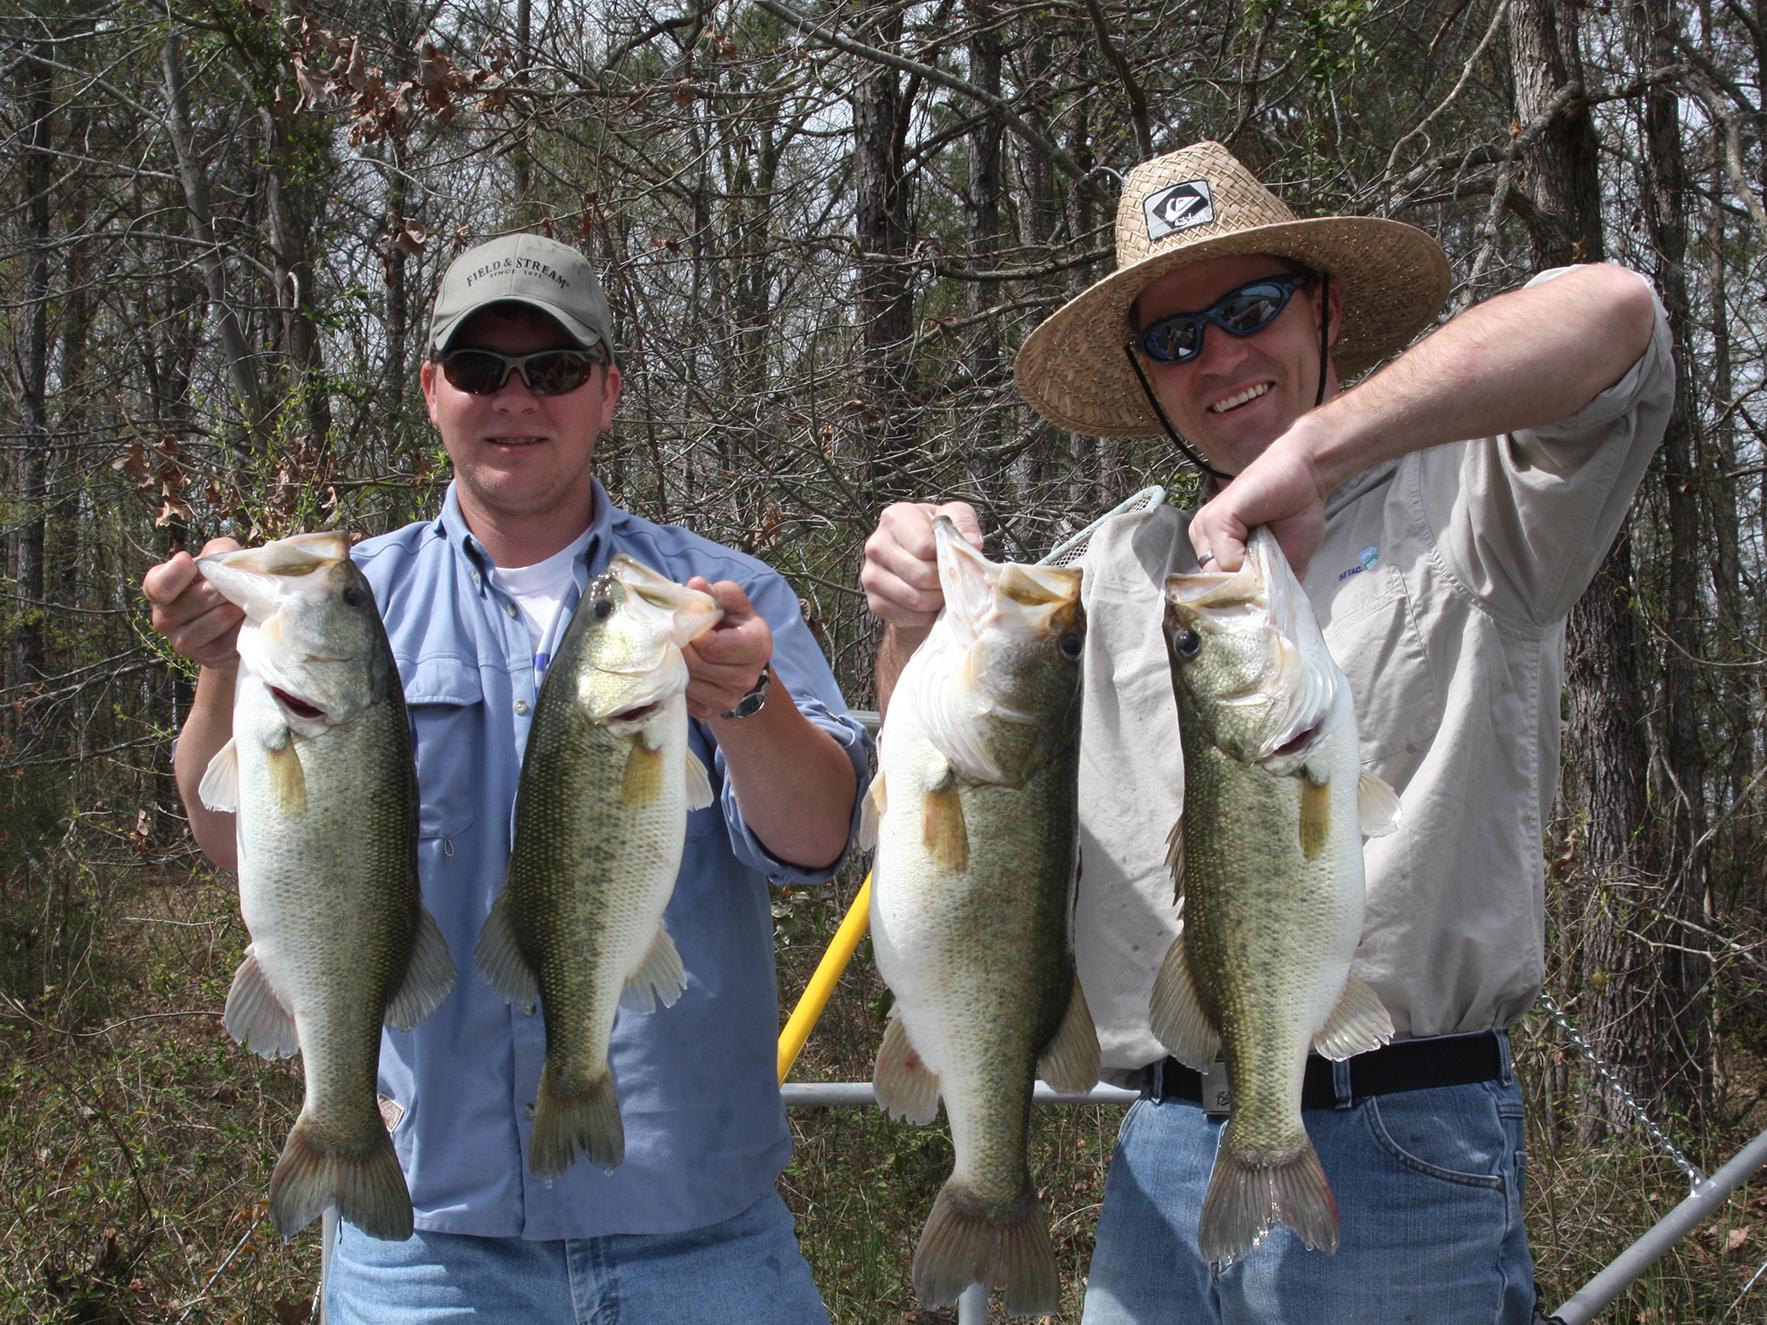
(354, 597)
(603, 609)
(1186, 643)
(1070, 646)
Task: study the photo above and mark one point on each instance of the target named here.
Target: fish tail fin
(360, 1175)
(1245, 1201)
(966, 1243)
(580, 1117)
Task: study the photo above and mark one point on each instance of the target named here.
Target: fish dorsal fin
(1176, 1014)
(499, 956)
(659, 978)
(255, 1016)
(1377, 805)
(1175, 857)
(429, 976)
(1070, 1060)
(219, 788)
(906, 1087)
(1357, 1024)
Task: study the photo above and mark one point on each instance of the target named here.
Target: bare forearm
(899, 644)
(207, 728)
(1520, 360)
(794, 783)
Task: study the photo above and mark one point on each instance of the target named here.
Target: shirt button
(529, 1110)
(521, 706)
(527, 1009)
(511, 609)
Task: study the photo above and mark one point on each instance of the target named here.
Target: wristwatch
(756, 698)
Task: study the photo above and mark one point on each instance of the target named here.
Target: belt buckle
(1217, 1099)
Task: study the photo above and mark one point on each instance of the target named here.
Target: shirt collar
(450, 526)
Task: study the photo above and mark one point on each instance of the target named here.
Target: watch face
(756, 698)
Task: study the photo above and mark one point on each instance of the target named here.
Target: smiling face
(521, 461)
(1241, 392)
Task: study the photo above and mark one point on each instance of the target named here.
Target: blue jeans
(744, 1271)
(1429, 1194)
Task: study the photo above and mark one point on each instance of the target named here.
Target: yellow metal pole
(828, 973)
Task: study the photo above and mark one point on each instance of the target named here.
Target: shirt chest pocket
(1374, 636)
(445, 700)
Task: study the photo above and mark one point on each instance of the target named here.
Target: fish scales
(1269, 869)
(600, 822)
(974, 810)
(319, 771)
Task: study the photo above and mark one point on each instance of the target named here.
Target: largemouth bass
(600, 821)
(974, 810)
(319, 772)
(1268, 860)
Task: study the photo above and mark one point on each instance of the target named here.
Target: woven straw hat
(1199, 203)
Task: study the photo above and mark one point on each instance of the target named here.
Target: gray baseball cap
(523, 269)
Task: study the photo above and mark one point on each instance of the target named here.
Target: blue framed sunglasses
(546, 372)
(1243, 311)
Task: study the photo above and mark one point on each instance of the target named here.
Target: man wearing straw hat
(1444, 514)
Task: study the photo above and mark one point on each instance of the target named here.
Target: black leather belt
(1443, 1060)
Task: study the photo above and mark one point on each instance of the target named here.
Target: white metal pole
(1641, 1255)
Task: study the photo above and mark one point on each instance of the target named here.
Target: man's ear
(1335, 312)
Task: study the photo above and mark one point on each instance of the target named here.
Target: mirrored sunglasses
(546, 372)
(1244, 311)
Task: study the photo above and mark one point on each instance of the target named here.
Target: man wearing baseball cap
(521, 379)
(1444, 514)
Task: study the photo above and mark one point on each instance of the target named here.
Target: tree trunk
(886, 300)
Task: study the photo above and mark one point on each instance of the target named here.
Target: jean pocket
(1455, 1134)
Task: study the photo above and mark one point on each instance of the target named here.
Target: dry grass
(136, 1141)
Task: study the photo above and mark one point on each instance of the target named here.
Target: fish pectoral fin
(219, 788)
(1071, 1058)
(1377, 805)
(1315, 817)
(499, 956)
(1176, 1015)
(906, 1087)
(429, 975)
(942, 824)
(288, 780)
(871, 813)
(1175, 858)
(660, 977)
(255, 1016)
(1357, 1024)
(642, 780)
(699, 783)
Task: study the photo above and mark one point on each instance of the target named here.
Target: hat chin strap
(1318, 395)
(1179, 442)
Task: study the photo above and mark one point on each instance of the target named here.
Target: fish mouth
(1301, 742)
(638, 713)
(295, 705)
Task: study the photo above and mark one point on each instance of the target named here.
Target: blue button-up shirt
(705, 1130)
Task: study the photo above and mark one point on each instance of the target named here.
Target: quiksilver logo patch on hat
(1178, 208)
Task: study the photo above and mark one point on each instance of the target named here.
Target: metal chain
(1694, 1175)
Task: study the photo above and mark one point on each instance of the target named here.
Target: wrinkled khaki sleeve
(1523, 520)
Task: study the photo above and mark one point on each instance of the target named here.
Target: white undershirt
(539, 592)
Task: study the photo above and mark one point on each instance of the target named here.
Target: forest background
(825, 226)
